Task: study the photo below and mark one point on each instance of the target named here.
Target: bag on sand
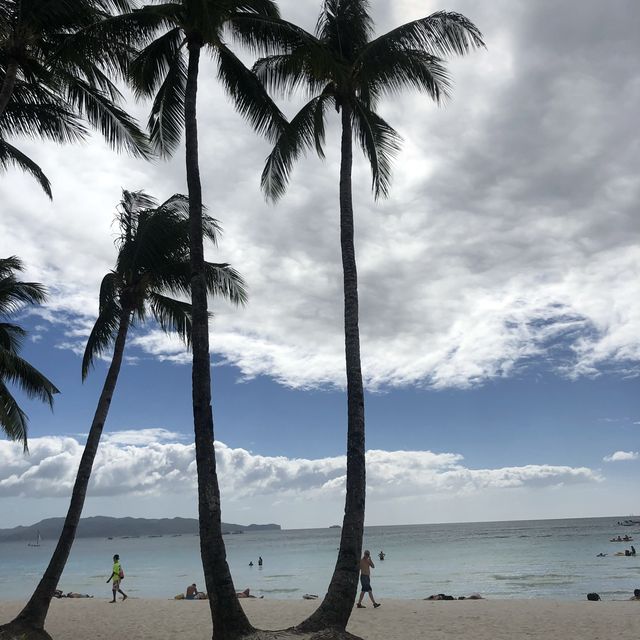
(593, 596)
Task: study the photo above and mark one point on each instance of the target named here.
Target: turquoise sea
(524, 559)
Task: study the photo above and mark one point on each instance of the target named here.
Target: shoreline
(138, 619)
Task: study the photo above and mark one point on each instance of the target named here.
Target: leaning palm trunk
(29, 623)
(228, 617)
(338, 603)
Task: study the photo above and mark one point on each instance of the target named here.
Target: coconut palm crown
(57, 70)
(14, 370)
(169, 35)
(153, 266)
(344, 67)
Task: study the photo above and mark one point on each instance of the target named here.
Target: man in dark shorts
(366, 564)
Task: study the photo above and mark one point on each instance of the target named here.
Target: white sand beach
(396, 620)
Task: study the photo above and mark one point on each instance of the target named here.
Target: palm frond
(14, 294)
(106, 326)
(286, 73)
(138, 27)
(380, 142)
(225, 282)
(150, 67)
(265, 36)
(18, 371)
(172, 315)
(9, 265)
(11, 336)
(443, 33)
(10, 155)
(117, 127)
(305, 130)
(248, 93)
(34, 111)
(166, 121)
(13, 420)
(399, 69)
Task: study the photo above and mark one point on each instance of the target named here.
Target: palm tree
(343, 66)
(14, 294)
(153, 261)
(174, 35)
(55, 63)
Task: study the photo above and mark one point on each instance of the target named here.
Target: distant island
(106, 527)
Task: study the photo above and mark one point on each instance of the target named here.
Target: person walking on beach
(366, 564)
(117, 574)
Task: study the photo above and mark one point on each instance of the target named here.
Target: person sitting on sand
(192, 592)
(636, 595)
(244, 594)
(73, 594)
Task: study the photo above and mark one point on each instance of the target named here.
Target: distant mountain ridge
(104, 527)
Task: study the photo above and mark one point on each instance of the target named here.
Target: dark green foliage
(14, 295)
(57, 69)
(152, 266)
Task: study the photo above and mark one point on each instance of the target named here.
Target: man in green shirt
(117, 574)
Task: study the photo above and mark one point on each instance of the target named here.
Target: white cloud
(148, 463)
(512, 225)
(621, 456)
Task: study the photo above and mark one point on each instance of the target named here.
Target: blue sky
(499, 289)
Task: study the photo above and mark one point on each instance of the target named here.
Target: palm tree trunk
(338, 603)
(228, 617)
(8, 84)
(33, 616)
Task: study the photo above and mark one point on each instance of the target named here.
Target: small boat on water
(622, 539)
(37, 542)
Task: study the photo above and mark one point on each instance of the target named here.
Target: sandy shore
(395, 620)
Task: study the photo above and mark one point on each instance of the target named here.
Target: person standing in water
(366, 564)
(117, 574)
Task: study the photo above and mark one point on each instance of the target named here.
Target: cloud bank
(511, 234)
(151, 463)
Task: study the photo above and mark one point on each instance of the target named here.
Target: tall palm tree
(174, 36)
(344, 66)
(14, 370)
(152, 264)
(55, 63)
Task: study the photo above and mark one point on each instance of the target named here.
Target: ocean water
(524, 559)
